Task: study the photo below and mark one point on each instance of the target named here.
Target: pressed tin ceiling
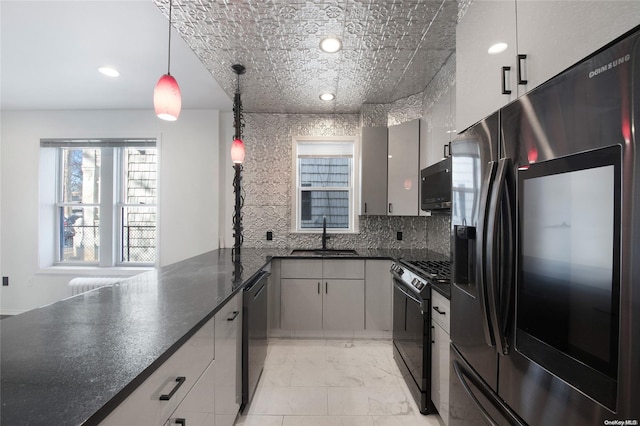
(391, 49)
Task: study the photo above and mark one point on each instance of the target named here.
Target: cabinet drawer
(301, 268)
(440, 310)
(144, 406)
(344, 269)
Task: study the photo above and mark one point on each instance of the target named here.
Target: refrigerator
(545, 229)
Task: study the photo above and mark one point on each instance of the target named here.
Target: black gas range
(417, 275)
(412, 282)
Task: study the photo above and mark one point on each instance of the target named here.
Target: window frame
(111, 200)
(353, 188)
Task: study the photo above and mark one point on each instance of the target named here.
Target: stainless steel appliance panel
(409, 333)
(474, 152)
(254, 334)
(545, 378)
(589, 107)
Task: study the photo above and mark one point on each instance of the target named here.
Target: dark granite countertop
(74, 361)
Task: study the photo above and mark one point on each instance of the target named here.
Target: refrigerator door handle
(493, 232)
(467, 389)
(481, 252)
(469, 378)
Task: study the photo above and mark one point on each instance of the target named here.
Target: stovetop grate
(435, 270)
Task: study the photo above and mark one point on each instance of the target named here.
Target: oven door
(410, 332)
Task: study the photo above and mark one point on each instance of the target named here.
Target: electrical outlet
(399, 235)
(5, 280)
(269, 235)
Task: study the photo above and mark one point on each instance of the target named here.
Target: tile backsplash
(267, 185)
(268, 172)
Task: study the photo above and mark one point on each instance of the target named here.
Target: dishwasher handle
(252, 285)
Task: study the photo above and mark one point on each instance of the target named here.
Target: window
(105, 202)
(324, 185)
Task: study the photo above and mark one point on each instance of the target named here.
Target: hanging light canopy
(167, 99)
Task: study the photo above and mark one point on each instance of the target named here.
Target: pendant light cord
(169, 55)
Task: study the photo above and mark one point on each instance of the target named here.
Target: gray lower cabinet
(343, 305)
(378, 294)
(228, 363)
(440, 313)
(197, 408)
(156, 399)
(215, 398)
(301, 304)
(322, 304)
(205, 374)
(322, 294)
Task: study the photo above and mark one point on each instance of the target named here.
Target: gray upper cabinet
(374, 171)
(479, 75)
(404, 169)
(543, 38)
(556, 34)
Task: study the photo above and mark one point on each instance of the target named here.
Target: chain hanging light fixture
(167, 100)
(237, 156)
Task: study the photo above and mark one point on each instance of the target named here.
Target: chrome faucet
(325, 237)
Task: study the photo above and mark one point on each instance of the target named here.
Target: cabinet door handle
(435, 308)
(318, 287)
(390, 208)
(521, 59)
(504, 81)
(365, 208)
(233, 316)
(182, 422)
(326, 287)
(179, 382)
(444, 150)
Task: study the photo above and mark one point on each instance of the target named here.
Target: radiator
(80, 285)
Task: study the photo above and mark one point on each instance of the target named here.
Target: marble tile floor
(315, 382)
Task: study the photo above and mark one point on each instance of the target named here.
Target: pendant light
(237, 151)
(167, 100)
(237, 147)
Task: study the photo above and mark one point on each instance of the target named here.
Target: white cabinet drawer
(143, 406)
(301, 268)
(344, 269)
(197, 408)
(440, 310)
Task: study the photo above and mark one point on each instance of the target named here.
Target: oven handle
(410, 296)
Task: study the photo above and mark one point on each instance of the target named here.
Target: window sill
(94, 271)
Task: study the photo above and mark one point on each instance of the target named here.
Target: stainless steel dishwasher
(254, 334)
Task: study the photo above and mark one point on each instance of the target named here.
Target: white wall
(188, 198)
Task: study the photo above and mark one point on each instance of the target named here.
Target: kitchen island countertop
(74, 361)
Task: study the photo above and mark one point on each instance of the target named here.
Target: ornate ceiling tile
(391, 49)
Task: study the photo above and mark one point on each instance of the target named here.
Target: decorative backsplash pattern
(267, 184)
(268, 172)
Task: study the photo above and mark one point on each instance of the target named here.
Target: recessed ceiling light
(327, 96)
(330, 44)
(497, 48)
(108, 71)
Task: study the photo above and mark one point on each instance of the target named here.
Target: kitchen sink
(324, 252)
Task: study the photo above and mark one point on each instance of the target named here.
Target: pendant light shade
(237, 151)
(167, 100)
